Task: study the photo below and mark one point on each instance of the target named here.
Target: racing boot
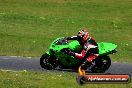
(83, 67)
(86, 64)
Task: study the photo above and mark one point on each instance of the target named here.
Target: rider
(90, 49)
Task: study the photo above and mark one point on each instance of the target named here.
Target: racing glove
(68, 38)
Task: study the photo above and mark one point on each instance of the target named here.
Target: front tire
(48, 62)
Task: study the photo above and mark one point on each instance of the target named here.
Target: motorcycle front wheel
(48, 62)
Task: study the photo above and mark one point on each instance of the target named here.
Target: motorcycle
(55, 58)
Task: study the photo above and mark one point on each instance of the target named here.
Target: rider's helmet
(83, 35)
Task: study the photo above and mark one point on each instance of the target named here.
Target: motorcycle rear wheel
(101, 64)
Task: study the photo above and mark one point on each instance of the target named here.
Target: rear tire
(101, 64)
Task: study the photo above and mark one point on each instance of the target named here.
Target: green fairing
(54, 49)
(105, 48)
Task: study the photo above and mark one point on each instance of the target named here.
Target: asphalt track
(32, 64)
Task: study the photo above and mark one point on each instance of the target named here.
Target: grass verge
(47, 79)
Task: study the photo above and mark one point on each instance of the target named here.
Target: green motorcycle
(55, 58)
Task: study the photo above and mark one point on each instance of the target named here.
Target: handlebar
(62, 41)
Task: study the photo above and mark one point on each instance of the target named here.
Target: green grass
(47, 79)
(27, 27)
